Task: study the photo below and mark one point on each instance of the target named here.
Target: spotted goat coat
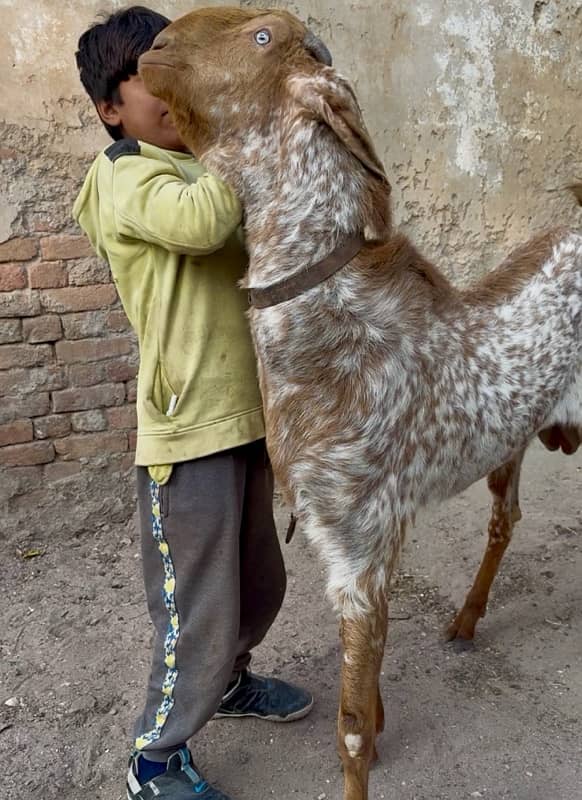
(384, 387)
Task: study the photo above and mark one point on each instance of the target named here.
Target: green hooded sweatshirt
(170, 232)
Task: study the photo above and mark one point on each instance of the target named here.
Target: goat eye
(263, 37)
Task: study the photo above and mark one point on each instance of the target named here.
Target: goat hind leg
(504, 486)
(361, 714)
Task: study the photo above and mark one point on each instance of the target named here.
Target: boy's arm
(159, 207)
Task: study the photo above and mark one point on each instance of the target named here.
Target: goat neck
(302, 189)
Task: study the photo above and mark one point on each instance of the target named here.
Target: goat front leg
(504, 486)
(361, 713)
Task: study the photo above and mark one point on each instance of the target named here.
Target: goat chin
(384, 386)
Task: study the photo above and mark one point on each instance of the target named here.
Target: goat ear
(332, 101)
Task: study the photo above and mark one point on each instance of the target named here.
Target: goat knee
(352, 738)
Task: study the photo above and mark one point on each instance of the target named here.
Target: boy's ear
(109, 112)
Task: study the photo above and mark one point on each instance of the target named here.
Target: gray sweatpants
(214, 579)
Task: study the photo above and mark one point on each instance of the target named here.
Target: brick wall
(68, 364)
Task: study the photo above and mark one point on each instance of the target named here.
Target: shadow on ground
(502, 719)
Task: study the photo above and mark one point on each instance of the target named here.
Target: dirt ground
(501, 719)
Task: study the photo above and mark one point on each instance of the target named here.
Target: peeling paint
(469, 92)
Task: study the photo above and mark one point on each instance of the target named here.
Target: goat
(384, 386)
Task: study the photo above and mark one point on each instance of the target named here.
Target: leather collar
(307, 278)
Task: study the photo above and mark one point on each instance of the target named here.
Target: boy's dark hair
(109, 50)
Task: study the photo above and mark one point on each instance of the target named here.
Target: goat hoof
(461, 645)
(461, 631)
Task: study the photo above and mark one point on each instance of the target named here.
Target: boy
(213, 569)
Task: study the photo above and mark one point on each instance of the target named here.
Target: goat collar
(307, 278)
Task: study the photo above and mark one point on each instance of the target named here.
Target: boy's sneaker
(180, 781)
(265, 698)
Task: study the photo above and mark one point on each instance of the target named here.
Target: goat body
(384, 387)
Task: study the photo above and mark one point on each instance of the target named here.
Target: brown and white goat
(384, 386)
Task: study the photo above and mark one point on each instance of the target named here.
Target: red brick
(131, 391)
(35, 379)
(23, 303)
(91, 444)
(42, 329)
(47, 276)
(22, 455)
(89, 421)
(87, 374)
(16, 432)
(118, 321)
(122, 417)
(61, 470)
(89, 397)
(12, 276)
(128, 460)
(84, 325)
(89, 270)
(24, 355)
(132, 439)
(31, 405)
(122, 369)
(10, 331)
(78, 298)
(91, 349)
(65, 246)
(18, 249)
(52, 427)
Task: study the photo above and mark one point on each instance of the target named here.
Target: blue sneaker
(180, 781)
(265, 698)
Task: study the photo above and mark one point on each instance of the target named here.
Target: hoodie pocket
(163, 398)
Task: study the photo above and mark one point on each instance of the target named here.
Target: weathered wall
(475, 106)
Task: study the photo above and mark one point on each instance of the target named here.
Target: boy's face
(141, 116)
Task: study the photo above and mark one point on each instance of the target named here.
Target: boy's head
(107, 61)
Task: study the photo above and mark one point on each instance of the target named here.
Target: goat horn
(318, 50)
(576, 189)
